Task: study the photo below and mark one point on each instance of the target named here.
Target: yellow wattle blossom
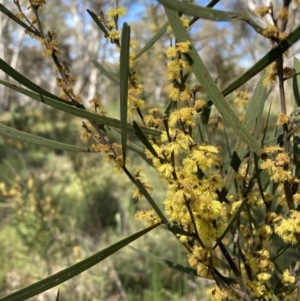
(272, 149)
(282, 119)
(147, 216)
(166, 170)
(271, 75)
(241, 98)
(296, 199)
(208, 209)
(262, 10)
(205, 156)
(218, 294)
(283, 14)
(185, 22)
(271, 31)
(281, 175)
(263, 276)
(287, 278)
(37, 3)
(171, 52)
(289, 229)
(20, 15)
(114, 36)
(116, 12)
(281, 159)
(186, 116)
(183, 47)
(173, 92)
(258, 289)
(199, 104)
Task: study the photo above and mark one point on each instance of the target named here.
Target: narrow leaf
(209, 14)
(209, 85)
(98, 22)
(163, 30)
(153, 40)
(232, 220)
(253, 114)
(201, 125)
(66, 107)
(148, 197)
(6, 68)
(26, 137)
(265, 61)
(167, 263)
(57, 296)
(296, 82)
(9, 14)
(130, 145)
(258, 177)
(139, 133)
(124, 76)
(74, 270)
(105, 72)
(175, 229)
(115, 135)
(172, 105)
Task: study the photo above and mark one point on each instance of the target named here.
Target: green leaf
(163, 30)
(74, 270)
(201, 125)
(139, 133)
(209, 85)
(124, 76)
(232, 220)
(57, 296)
(296, 82)
(26, 137)
(281, 251)
(105, 72)
(175, 229)
(27, 83)
(265, 61)
(66, 107)
(258, 177)
(167, 263)
(132, 146)
(172, 105)
(148, 197)
(209, 14)
(253, 115)
(98, 22)
(285, 289)
(9, 14)
(153, 40)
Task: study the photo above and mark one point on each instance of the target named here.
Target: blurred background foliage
(58, 207)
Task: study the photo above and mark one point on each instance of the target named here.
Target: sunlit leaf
(98, 22)
(149, 198)
(163, 30)
(66, 107)
(209, 85)
(124, 76)
(167, 263)
(105, 72)
(26, 137)
(74, 270)
(252, 117)
(139, 133)
(231, 222)
(9, 14)
(209, 14)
